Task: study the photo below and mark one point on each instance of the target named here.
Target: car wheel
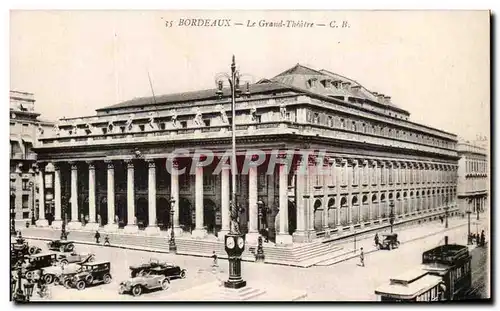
(61, 249)
(182, 275)
(32, 250)
(80, 285)
(64, 262)
(165, 284)
(107, 278)
(70, 247)
(48, 278)
(121, 290)
(137, 290)
(29, 275)
(89, 279)
(67, 283)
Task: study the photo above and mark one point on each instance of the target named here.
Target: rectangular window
(25, 183)
(141, 127)
(49, 180)
(207, 122)
(26, 199)
(258, 118)
(262, 182)
(162, 125)
(184, 124)
(382, 175)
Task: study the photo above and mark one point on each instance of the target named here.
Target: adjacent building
(25, 128)
(109, 168)
(473, 178)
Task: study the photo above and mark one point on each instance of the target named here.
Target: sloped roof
(194, 96)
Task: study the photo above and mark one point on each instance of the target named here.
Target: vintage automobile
(167, 269)
(91, 273)
(74, 257)
(61, 245)
(35, 263)
(21, 248)
(144, 281)
(58, 274)
(389, 241)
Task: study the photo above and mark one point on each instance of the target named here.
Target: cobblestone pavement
(345, 281)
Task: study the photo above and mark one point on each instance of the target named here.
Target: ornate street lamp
(446, 208)
(172, 247)
(391, 214)
(12, 222)
(19, 294)
(234, 240)
(32, 187)
(64, 234)
(469, 238)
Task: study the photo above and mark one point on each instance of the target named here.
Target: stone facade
(113, 164)
(473, 178)
(25, 128)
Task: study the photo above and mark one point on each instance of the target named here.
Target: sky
(434, 64)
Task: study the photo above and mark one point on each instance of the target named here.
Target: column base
(91, 226)
(152, 230)
(74, 225)
(301, 237)
(252, 238)
(284, 239)
(42, 223)
(131, 229)
(57, 224)
(199, 233)
(111, 228)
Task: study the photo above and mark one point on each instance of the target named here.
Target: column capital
(129, 162)
(151, 163)
(57, 166)
(109, 164)
(73, 165)
(91, 164)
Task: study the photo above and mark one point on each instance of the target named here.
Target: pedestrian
(376, 239)
(214, 257)
(106, 241)
(483, 238)
(97, 236)
(362, 258)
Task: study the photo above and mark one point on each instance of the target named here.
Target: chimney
(380, 98)
(446, 240)
(328, 83)
(356, 88)
(387, 99)
(346, 85)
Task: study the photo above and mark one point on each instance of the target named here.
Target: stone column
(41, 222)
(92, 225)
(225, 213)
(152, 228)
(57, 223)
(111, 226)
(174, 194)
(283, 236)
(74, 223)
(131, 226)
(253, 221)
(199, 231)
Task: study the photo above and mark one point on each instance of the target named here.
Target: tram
(445, 274)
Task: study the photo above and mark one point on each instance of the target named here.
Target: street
(345, 281)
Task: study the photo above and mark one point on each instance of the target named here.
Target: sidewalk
(351, 249)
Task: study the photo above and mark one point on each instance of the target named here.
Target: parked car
(61, 245)
(91, 273)
(144, 281)
(74, 257)
(35, 263)
(163, 268)
(389, 241)
(58, 274)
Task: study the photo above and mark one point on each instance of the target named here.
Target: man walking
(214, 257)
(362, 258)
(376, 239)
(97, 236)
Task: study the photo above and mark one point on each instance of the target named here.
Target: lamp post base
(172, 247)
(235, 284)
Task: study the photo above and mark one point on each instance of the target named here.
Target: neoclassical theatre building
(110, 169)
